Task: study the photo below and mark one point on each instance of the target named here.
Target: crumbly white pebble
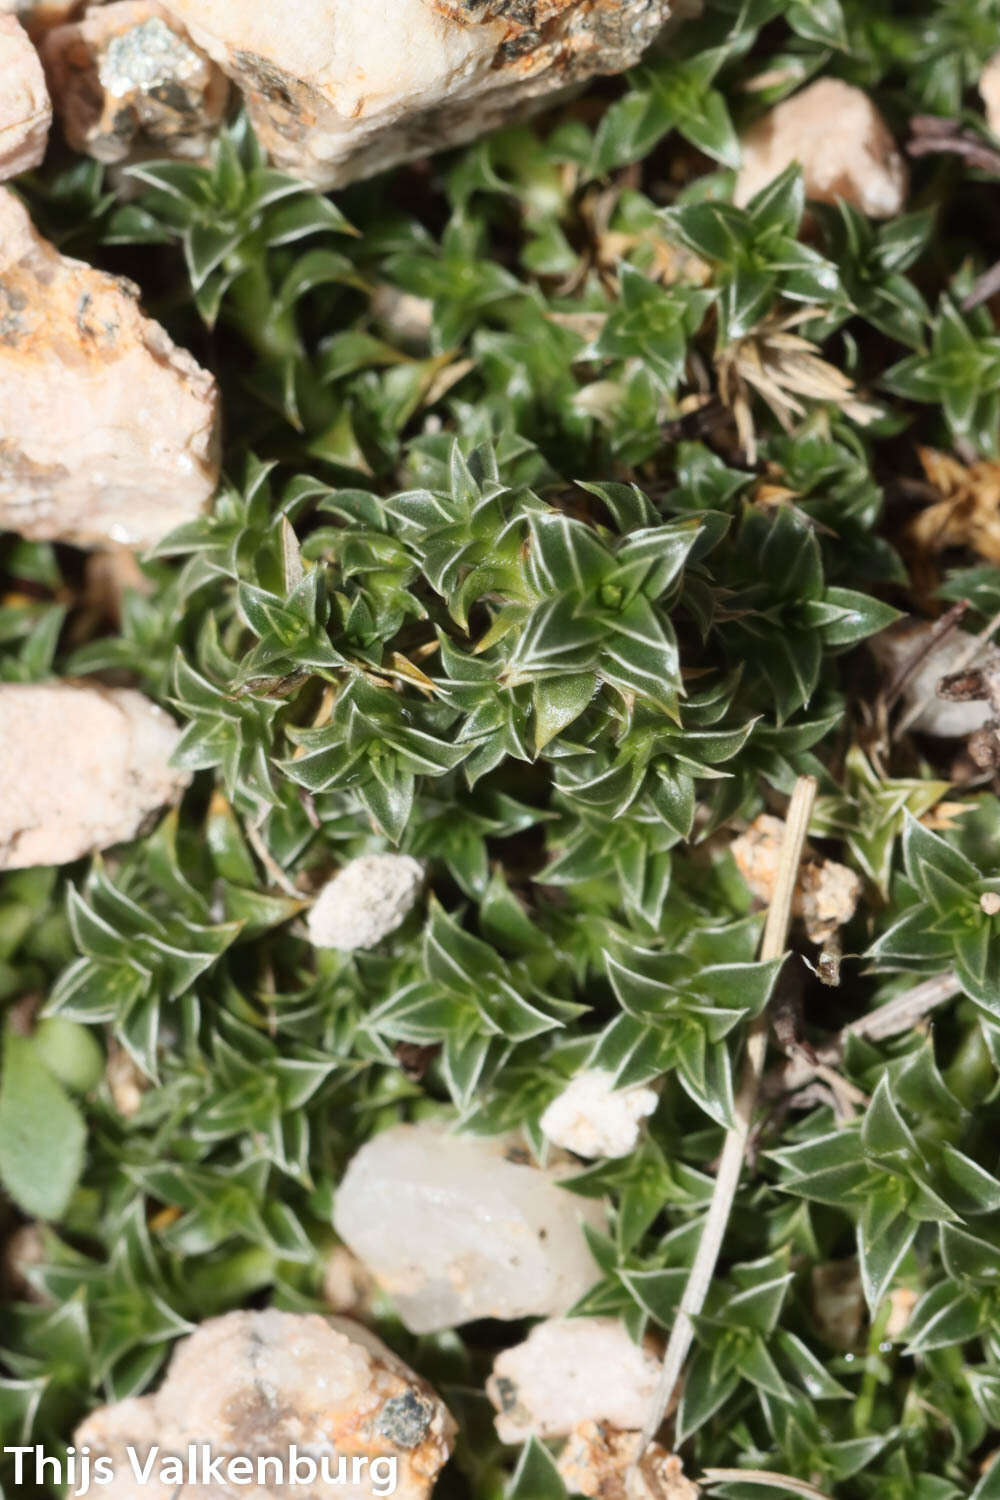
(461, 1227)
(571, 1370)
(593, 1118)
(365, 901)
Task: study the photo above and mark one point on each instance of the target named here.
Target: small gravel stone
(81, 768)
(365, 901)
(840, 140)
(338, 89)
(253, 1383)
(486, 1234)
(571, 1370)
(108, 432)
(989, 90)
(126, 78)
(597, 1459)
(25, 111)
(826, 894)
(592, 1118)
(946, 718)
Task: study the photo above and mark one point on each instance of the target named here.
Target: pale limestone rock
(946, 718)
(255, 1383)
(826, 893)
(127, 80)
(989, 91)
(25, 111)
(81, 768)
(840, 140)
(365, 901)
(597, 1462)
(460, 1227)
(338, 90)
(593, 1118)
(108, 431)
(571, 1370)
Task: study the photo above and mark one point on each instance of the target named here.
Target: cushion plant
(562, 498)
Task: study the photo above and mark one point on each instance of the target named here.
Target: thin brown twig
(891, 1019)
(764, 1476)
(983, 288)
(267, 859)
(903, 1011)
(938, 632)
(976, 644)
(933, 136)
(734, 1147)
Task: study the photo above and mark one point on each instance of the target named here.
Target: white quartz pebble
(462, 1227)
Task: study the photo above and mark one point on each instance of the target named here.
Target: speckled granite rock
(365, 901)
(256, 1383)
(127, 79)
(339, 90)
(486, 1234)
(25, 111)
(81, 768)
(571, 1370)
(134, 449)
(840, 140)
(593, 1118)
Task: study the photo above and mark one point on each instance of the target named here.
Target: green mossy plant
(515, 572)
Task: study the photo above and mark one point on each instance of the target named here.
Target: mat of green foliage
(525, 580)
